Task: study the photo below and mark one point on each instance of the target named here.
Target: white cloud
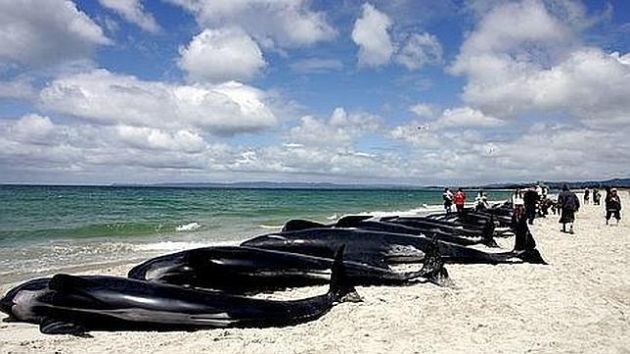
(522, 57)
(20, 87)
(281, 23)
(109, 98)
(150, 138)
(466, 117)
(340, 130)
(371, 34)
(423, 110)
(133, 11)
(316, 65)
(32, 128)
(548, 151)
(221, 55)
(40, 33)
(419, 50)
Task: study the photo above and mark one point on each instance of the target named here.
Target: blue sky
(397, 91)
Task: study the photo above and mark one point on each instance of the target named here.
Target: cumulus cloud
(151, 138)
(371, 34)
(40, 33)
(339, 130)
(221, 55)
(281, 23)
(109, 98)
(419, 50)
(133, 11)
(466, 117)
(32, 128)
(553, 151)
(521, 58)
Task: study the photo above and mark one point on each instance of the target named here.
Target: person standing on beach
(481, 201)
(596, 197)
(460, 199)
(569, 204)
(613, 206)
(586, 195)
(530, 198)
(447, 196)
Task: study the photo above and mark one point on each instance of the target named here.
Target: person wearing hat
(569, 204)
(613, 206)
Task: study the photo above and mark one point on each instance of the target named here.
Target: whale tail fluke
(531, 256)
(341, 287)
(433, 269)
(488, 234)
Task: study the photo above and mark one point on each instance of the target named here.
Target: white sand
(580, 302)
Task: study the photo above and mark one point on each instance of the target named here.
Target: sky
(341, 91)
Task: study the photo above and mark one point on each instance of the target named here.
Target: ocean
(50, 228)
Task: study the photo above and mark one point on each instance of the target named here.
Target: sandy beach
(580, 302)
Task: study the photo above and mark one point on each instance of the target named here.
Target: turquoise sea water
(50, 227)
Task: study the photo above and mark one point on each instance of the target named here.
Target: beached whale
(250, 270)
(441, 230)
(66, 304)
(378, 248)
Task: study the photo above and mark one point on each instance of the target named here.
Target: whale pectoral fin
(51, 326)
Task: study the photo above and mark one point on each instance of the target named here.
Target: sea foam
(188, 227)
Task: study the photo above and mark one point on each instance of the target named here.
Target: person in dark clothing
(523, 238)
(596, 197)
(613, 206)
(569, 204)
(530, 199)
(586, 195)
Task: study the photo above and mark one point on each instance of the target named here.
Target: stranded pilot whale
(66, 304)
(378, 247)
(440, 230)
(237, 269)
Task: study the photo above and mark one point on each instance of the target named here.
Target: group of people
(534, 201)
(459, 200)
(597, 196)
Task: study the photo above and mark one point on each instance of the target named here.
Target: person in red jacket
(460, 199)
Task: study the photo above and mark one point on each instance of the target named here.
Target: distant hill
(615, 182)
(289, 185)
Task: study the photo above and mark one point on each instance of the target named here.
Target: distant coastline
(615, 182)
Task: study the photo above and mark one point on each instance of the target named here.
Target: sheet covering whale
(250, 270)
(67, 304)
(377, 248)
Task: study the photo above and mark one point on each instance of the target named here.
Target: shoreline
(577, 303)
